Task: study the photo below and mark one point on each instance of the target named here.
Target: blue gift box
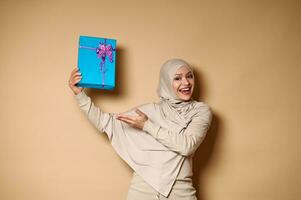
(96, 62)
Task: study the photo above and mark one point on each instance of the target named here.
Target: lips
(185, 90)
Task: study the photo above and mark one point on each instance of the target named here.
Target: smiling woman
(157, 140)
(183, 83)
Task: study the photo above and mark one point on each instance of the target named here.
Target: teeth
(185, 89)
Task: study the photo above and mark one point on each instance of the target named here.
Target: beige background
(246, 55)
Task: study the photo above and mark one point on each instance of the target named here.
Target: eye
(190, 76)
(177, 78)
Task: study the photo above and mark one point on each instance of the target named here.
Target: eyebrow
(182, 74)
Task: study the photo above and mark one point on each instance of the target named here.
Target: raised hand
(75, 77)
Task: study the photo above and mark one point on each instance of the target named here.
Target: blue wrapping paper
(97, 62)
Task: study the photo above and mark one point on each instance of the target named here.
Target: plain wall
(247, 58)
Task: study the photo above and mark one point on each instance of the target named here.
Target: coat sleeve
(187, 141)
(103, 121)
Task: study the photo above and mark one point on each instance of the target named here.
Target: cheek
(192, 82)
(175, 86)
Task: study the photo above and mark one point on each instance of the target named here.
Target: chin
(184, 98)
(187, 99)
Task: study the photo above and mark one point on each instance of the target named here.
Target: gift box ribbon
(102, 52)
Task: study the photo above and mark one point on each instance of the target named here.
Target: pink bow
(105, 50)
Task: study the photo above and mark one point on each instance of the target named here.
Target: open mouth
(185, 91)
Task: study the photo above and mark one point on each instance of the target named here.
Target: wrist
(76, 92)
(143, 124)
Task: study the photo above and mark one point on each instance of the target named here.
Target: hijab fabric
(181, 110)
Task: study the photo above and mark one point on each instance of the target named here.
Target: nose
(185, 81)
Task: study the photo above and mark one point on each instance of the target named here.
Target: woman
(157, 140)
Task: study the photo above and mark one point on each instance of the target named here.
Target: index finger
(74, 71)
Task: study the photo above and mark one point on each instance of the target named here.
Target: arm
(101, 120)
(186, 142)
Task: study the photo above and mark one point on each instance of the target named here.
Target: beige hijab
(174, 109)
(154, 162)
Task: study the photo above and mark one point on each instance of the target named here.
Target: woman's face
(183, 83)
